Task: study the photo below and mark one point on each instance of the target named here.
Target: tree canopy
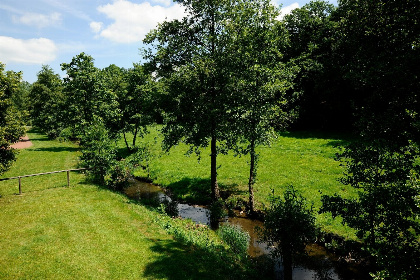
(11, 126)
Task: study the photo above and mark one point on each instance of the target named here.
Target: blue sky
(37, 32)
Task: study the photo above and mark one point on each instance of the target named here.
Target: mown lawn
(303, 159)
(87, 232)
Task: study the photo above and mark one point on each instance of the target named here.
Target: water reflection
(319, 264)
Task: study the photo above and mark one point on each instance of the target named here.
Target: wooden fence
(46, 173)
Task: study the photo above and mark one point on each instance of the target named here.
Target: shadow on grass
(57, 149)
(198, 190)
(319, 134)
(177, 261)
(336, 139)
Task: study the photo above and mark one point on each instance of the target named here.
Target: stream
(321, 264)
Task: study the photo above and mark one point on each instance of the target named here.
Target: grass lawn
(303, 159)
(86, 232)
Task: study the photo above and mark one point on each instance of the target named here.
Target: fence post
(20, 186)
(68, 178)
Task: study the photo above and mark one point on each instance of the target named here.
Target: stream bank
(320, 264)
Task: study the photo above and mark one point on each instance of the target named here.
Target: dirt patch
(23, 143)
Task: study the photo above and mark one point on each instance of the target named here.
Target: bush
(235, 237)
(99, 154)
(289, 226)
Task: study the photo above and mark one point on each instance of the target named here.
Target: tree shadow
(178, 261)
(336, 138)
(57, 149)
(198, 190)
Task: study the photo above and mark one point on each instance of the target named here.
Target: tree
(324, 101)
(46, 102)
(113, 80)
(20, 100)
(139, 103)
(190, 56)
(11, 126)
(379, 43)
(380, 49)
(86, 98)
(288, 226)
(260, 78)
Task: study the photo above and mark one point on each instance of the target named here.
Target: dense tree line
(230, 74)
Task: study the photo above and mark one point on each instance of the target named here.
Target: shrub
(99, 154)
(289, 226)
(235, 237)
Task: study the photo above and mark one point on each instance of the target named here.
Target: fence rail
(45, 173)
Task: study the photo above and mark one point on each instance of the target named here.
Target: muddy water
(320, 264)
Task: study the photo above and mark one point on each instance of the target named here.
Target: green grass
(43, 156)
(303, 159)
(87, 232)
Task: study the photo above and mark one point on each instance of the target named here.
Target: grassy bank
(87, 232)
(304, 159)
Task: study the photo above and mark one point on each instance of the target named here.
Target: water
(320, 265)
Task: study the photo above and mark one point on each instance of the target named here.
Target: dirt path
(23, 143)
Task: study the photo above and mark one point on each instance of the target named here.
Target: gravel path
(23, 143)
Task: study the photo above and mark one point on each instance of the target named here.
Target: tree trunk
(135, 136)
(288, 267)
(252, 175)
(213, 177)
(126, 143)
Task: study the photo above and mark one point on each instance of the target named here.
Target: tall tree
(82, 92)
(190, 55)
(260, 78)
(11, 126)
(139, 103)
(45, 102)
(379, 43)
(113, 80)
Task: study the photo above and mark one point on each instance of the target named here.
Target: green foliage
(325, 99)
(88, 94)
(235, 237)
(259, 77)
(196, 59)
(11, 125)
(217, 211)
(377, 42)
(227, 264)
(377, 45)
(46, 101)
(288, 226)
(99, 154)
(386, 211)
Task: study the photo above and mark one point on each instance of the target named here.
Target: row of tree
(230, 73)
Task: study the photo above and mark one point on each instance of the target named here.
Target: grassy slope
(85, 232)
(305, 160)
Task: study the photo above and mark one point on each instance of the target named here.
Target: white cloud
(39, 20)
(163, 2)
(96, 26)
(288, 9)
(133, 21)
(32, 51)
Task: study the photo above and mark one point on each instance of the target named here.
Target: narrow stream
(321, 265)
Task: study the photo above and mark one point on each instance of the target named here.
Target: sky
(50, 32)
